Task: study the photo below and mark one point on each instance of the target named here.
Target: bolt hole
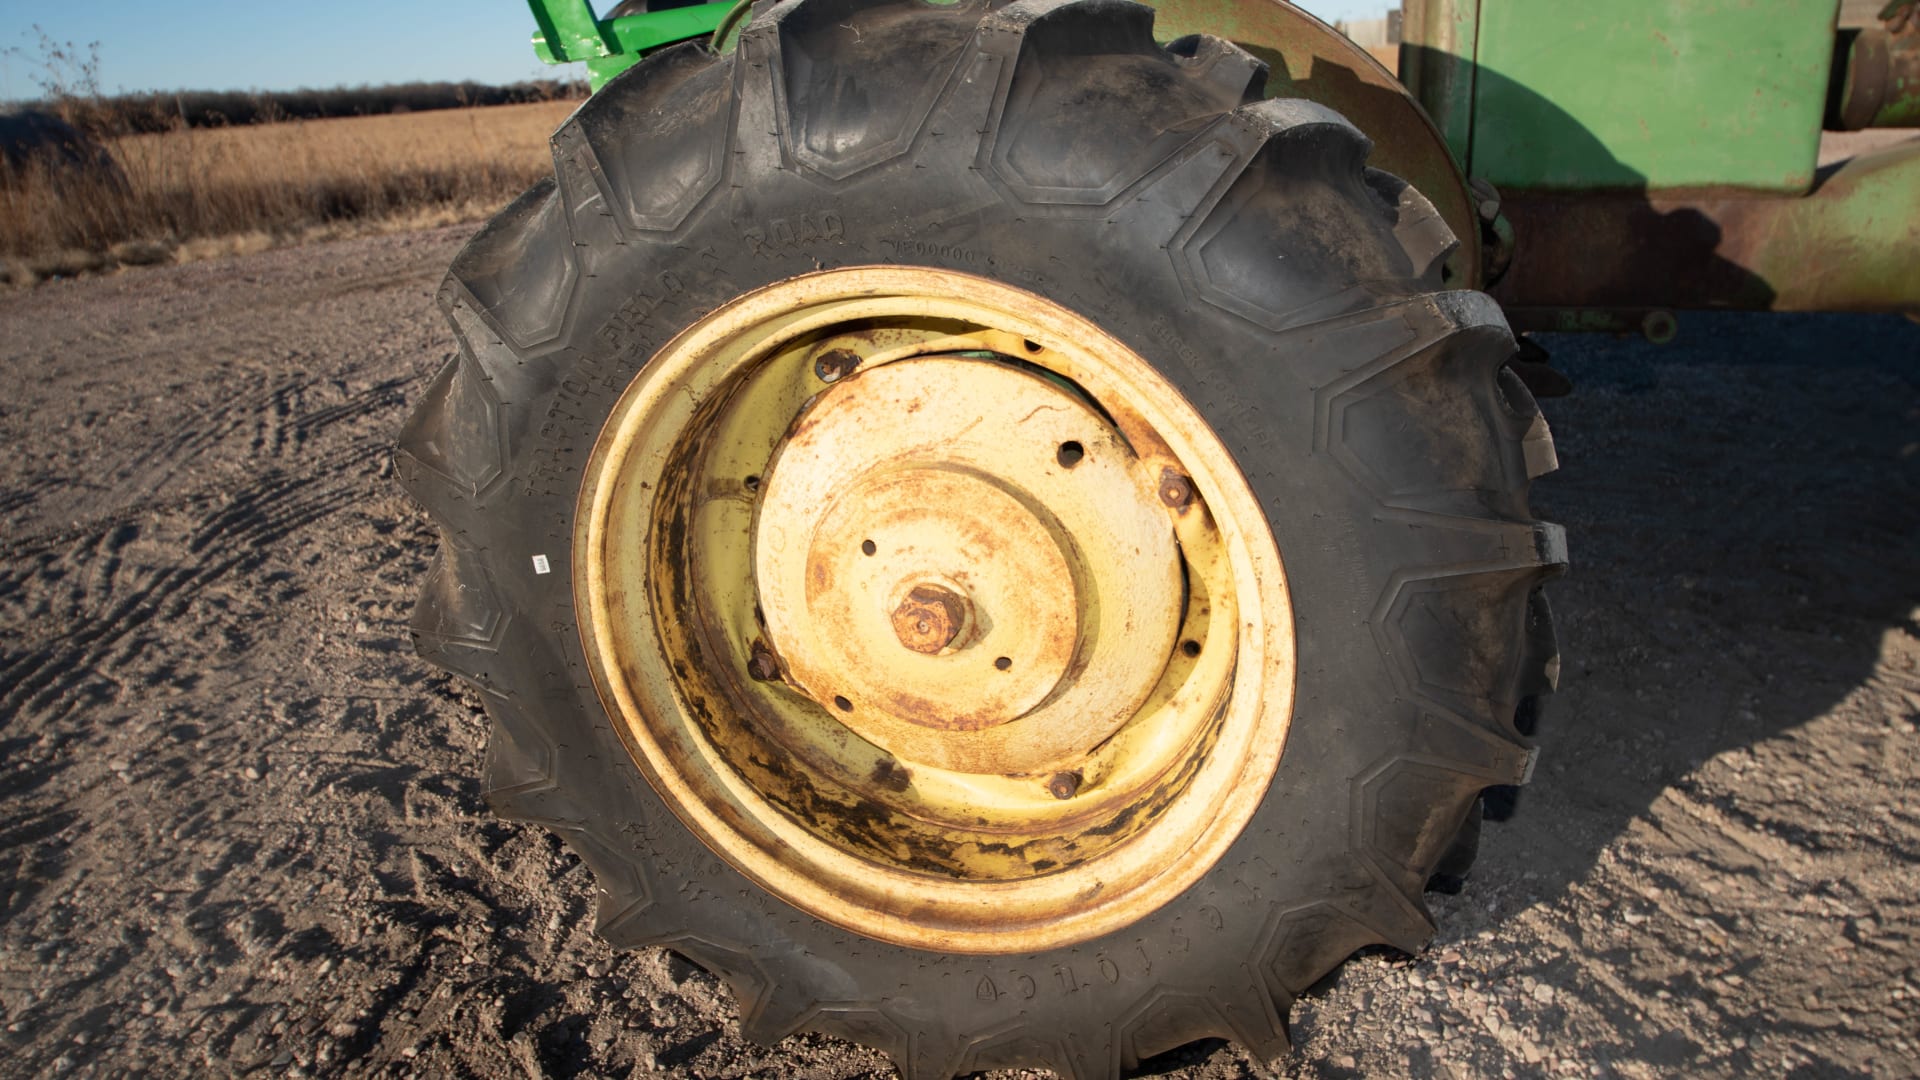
(1003, 663)
(1070, 454)
(1032, 346)
(842, 703)
(868, 547)
(1190, 647)
(753, 483)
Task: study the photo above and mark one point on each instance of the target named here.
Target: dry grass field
(194, 192)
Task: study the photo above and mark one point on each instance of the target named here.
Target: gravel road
(241, 833)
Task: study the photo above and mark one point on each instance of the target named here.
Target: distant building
(1372, 33)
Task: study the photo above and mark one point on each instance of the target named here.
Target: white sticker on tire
(541, 565)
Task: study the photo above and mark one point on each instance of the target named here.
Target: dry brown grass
(194, 192)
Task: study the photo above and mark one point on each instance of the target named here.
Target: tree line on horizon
(170, 111)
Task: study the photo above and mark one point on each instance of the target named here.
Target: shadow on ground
(1742, 507)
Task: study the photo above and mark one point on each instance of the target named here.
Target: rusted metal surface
(1877, 81)
(1613, 261)
(1312, 60)
(939, 518)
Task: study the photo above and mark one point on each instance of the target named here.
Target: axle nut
(929, 618)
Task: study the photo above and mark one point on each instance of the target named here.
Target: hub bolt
(1175, 490)
(761, 665)
(1064, 785)
(836, 365)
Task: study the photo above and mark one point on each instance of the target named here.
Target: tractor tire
(1001, 217)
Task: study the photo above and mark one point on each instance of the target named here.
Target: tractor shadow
(1741, 507)
(1741, 504)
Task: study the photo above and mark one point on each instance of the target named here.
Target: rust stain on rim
(955, 670)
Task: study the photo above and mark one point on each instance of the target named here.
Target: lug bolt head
(1175, 490)
(835, 365)
(762, 665)
(1064, 785)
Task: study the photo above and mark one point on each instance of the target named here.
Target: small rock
(1543, 994)
(1531, 1052)
(282, 1059)
(1339, 1061)
(251, 773)
(141, 252)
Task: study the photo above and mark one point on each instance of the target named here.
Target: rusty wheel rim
(934, 609)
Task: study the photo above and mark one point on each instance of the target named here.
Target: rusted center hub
(935, 578)
(930, 618)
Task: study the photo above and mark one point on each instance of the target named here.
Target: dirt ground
(241, 831)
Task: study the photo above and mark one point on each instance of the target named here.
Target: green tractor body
(1603, 165)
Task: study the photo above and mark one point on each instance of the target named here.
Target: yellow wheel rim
(934, 609)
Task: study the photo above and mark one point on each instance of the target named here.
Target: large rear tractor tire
(983, 532)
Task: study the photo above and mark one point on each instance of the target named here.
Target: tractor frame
(1604, 165)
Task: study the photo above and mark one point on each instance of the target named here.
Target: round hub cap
(924, 504)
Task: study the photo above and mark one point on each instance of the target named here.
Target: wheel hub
(921, 504)
(931, 618)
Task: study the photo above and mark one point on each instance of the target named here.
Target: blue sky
(276, 45)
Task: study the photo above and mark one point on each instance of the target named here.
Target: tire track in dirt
(233, 537)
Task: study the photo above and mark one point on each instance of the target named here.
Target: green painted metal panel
(569, 31)
(1654, 94)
